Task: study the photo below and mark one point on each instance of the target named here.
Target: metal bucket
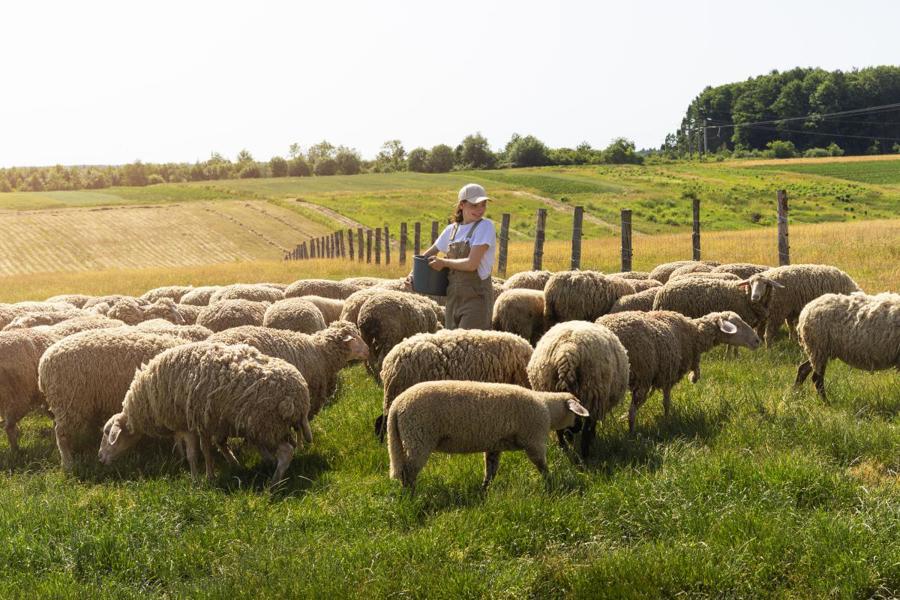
(428, 281)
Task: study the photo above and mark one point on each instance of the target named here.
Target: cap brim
(478, 200)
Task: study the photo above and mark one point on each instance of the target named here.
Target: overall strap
(472, 231)
(453, 231)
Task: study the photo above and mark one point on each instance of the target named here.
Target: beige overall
(470, 299)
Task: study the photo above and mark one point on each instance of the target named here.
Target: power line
(827, 134)
(853, 112)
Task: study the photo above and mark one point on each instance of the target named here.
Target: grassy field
(878, 172)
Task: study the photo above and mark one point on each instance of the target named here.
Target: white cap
(473, 193)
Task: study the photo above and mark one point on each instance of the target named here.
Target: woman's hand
(436, 263)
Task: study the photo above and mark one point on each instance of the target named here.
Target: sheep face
(356, 346)
(736, 332)
(116, 439)
(761, 288)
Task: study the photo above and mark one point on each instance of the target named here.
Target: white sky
(92, 82)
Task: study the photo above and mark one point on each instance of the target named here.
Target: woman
(469, 242)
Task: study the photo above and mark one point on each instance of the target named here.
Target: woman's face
(473, 212)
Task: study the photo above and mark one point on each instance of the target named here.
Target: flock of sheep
(204, 365)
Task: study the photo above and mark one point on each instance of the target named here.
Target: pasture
(749, 489)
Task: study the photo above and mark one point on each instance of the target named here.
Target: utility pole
(705, 142)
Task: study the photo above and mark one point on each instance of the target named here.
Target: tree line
(785, 114)
(322, 159)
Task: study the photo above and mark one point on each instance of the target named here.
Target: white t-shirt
(484, 234)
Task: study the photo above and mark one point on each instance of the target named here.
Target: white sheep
(664, 271)
(861, 330)
(330, 308)
(9, 312)
(204, 392)
(321, 287)
(584, 359)
(232, 313)
(742, 270)
(191, 333)
(582, 295)
(76, 300)
(521, 311)
(200, 296)
(173, 292)
(638, 301)
(254, 292)
(468, 416)
(294, 314)
(528, 280)
(132, 312)
(697, 296)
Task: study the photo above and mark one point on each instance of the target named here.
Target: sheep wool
(742, 270)
(697, 296)
(528, 280)
(641, 285)
(637, 301)
(20, 352)
(331, 308)
(469, 416)
(861, 330)
(355, 301)
(36, 319)
(521, 311)
(254, 292)
(76, 300)
(232, 313)
(173, 292)
(200, 296)
(582, 295)
(131, 312)
(662, 272)
(294, 314)
(325, 288)
(191, 333)
(632, 275)
(691, 267)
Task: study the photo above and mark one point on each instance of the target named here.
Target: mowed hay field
(749, 489)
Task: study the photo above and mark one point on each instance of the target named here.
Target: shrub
(475, 153)
(155, 179)
(782, 149)
(875, 148)
(834, 149)
(526, 151)
(347, 161)
(4, 185)
(278, 166)
(327, 166)
(298, 167)
(417, 160)
(621, 151)
(440, 159)
(250, 171)
(816, 152)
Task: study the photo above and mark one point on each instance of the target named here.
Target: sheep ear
(347, 338)
(114, 432)
(577, 408)
(744, 283)
(727, 327)
(774, 284)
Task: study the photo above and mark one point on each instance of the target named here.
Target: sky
(93, 82)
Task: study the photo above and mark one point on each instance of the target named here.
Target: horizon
(181, 82)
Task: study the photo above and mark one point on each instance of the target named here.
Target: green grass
(876, 172)
(747, 490)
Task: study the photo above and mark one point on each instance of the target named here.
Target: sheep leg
(491, 464)
(266, 454)
(64, 443)
(667, 401)
(538, 456)
(191, 446)
(416, 459)
(206, 446)
(818, 378)
(380, 427)
(284, 454)
(638, 397)
(12, 434)
(803, 372)
(587, 436)
(772, 325)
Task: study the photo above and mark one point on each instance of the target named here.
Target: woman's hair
(457, 215)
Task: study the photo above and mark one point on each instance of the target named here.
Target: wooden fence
(333, 245)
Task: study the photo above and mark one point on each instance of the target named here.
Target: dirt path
(557, 205)
(333, 215)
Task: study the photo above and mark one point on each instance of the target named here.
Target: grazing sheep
(742, 270)
(641, 285)
(76, 300)
(664, 345)
(586, 360)
(109, 300)
(784, 291)
(254, 292)
(697, 296)
(664, 271)
(189, 313)
(582, 295)
(365, 282)
(330, 308)
(206, 391)
(83, 323)
(464, 354)
(863, 331)
(131, 312)
(85, 376)
(705, 275)
(318, 357)
(173, 292)
(191, 333)
(355, 301)
(632, 275)
(691, 267)
(468, 416)
(325, 288)
(36, 319)
(528, 280)
(9, 312)
(278, 286)
(232, 313)
(388, 318)
(521, 311)
(638, 301)
(404, 284)
(294, 314)
(199, 296)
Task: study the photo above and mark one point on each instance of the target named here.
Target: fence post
(434, 231)
(403, 243)
(378, 245)
(576, 237)
(341, 243)
(504, 243)
(538, 258)
(350, 242)
(417, 238)
(387, 245)
(784, 249)
(626, 239)
(368, 245)
(695, 237)
(359, 244)
(329, 245)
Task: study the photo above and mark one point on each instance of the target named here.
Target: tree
(294, 150)
(250, 170)
(319, 152)
(782, 149)
(348, 161)
(34, 183)
(621, 151)
(135, 174)
(298, 167)
(326, 166)
(392, 157)
(217, 167)
(526, 151)
(440, 159)
(244, 156)
(475, 153)
(417, 160)
(278, 166)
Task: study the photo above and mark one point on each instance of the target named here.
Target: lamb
(390, 317)
(469, 416)
(191, 333)
(468, 354)
(208, 391)
(330, 308)
(784, 291)
(582, 295)
(861, 330)
(173, 292)
(529, 280)
(321, 287)
(294, 314)
(232, 313)
(131, 312)
(664, 271)
(199, 296)
(318, 357)
(247, 291)
(521, 311)
(586, 360)
(76, 300)
(697, 296)
(642, 301)
(85, 376)
(664, 345)
(742, 270)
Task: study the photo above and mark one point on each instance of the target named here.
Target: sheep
(199, 296)
(191, 333)
(131, 312)
(208, 391)
(321, 287)
(404, 284)
(84, 323)
(85, 376)
(638, 301)
(232, 313)
(582, 295)
(632, 275)
(529, 280)
(784, 291)
(742, 270)
(691, 267)
(34, 319)
(469, 416)
(319, 356)
(664, 345)
(110, 300)
(520, 311)
(294, 314)
(247, 291)
(861, 330)
(174, 292)
(189, 313)
(76, 300)
(365, 282)
(697, 296)
(355, 301)
(388, 318)
(706, 275)
(641, 285)
(586, 360)
(468, 354)
(330, 308)
(9, 312)
(664, 271)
